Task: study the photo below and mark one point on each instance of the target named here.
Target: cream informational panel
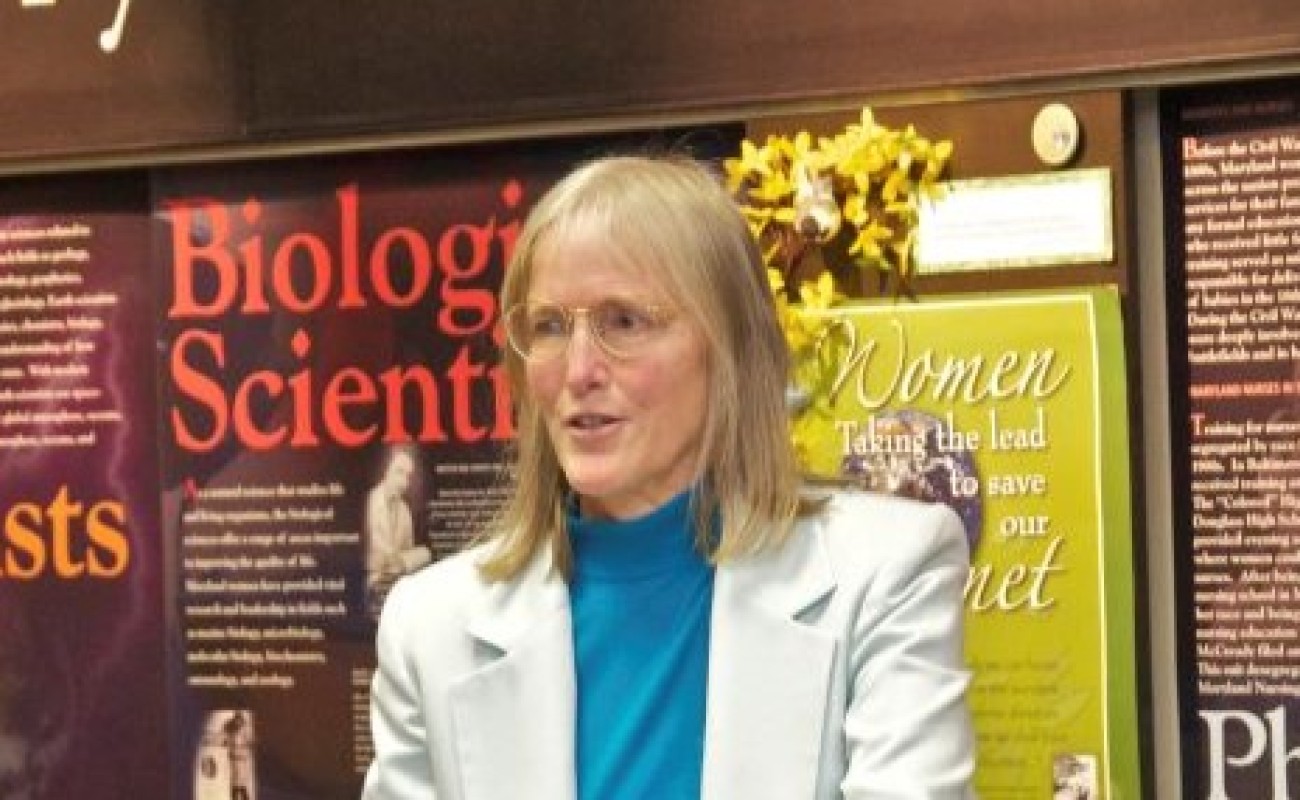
(1018, 221)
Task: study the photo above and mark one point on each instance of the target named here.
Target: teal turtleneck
(641, 597)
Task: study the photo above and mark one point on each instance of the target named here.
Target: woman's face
(627, 430)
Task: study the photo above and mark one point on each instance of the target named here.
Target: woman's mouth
(590, 423)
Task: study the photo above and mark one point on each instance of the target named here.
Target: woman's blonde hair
(671, 217)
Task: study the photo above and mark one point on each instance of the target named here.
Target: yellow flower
(788, 148)
(799, 335)
(903, 252)
(776, 281)
(752, 160)
(855, 209)
(936, 159)
(865, 168)
(784, 214)
(772, 187)
(868, 176)
(895, 184)
(869, 179)
(770, 254)
(835, 151)
(866, 124)
(757, 217)
(868, 241)
(819, 295)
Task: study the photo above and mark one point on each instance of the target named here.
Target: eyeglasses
(542, 331)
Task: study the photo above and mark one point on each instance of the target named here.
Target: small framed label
(1018, 221)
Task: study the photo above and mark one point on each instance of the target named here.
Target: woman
(658, 612)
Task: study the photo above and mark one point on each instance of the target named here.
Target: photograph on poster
(1074, 777)
(226, 759)
(393, 546)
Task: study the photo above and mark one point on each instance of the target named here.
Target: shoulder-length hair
(672, 218)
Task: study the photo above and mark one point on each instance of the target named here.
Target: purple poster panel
(333, 417)
(81, 612)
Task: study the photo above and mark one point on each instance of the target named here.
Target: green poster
(1012, 410)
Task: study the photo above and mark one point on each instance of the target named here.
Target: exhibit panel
(330, 415)
(1011, 425)
(248, 374)
(1232, 171)
(81, 551)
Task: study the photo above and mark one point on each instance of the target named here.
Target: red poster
(333, 416)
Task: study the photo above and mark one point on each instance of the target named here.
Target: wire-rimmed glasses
(541, 331)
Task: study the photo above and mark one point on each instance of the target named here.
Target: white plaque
(1018, 221)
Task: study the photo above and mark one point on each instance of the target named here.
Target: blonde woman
(659, 612)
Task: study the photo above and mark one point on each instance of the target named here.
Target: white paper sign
(1018, 221)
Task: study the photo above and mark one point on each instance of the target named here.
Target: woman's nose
(585, 359)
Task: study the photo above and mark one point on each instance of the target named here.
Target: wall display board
(1232, 188)
(332, 416)
(81, 567)
(1011, 409)
(238, 402)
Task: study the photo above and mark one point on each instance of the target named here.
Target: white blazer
(835, 671)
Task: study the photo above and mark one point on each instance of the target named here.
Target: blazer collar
(769, 681)
(787, 581)
(769, 673)
(511, 609)
(514, 716)
(782, 583)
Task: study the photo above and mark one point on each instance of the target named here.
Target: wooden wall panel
(283, 72)
(992, 138)
(169, 82)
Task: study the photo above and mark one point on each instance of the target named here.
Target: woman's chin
(603, 495)
(591, 488)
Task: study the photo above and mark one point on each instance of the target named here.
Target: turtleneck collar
(626, 549)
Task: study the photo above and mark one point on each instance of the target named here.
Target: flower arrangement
(825, 212)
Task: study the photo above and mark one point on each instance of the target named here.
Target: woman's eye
(544, 323)
(625, 318)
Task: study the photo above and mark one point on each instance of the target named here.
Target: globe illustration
(902, 456)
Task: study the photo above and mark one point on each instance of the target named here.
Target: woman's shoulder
(874, 530)
(863, 505)
(447, 587)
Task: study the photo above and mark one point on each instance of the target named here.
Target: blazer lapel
(769, 674)
(514, 716)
